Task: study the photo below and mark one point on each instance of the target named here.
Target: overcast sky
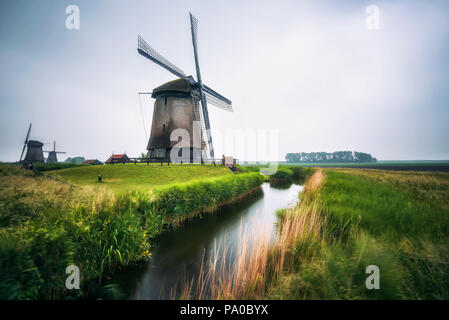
(310, 69)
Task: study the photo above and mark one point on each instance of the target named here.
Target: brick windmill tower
(182, 104)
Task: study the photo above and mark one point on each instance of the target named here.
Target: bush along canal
(182, 256)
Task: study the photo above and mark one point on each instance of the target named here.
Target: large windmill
(181, 102)
(34, 150)
(52, 154)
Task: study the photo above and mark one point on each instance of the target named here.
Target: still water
(179, 253)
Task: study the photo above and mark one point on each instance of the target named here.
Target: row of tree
(334, 157)
(75, 160)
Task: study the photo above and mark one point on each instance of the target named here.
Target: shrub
(180, 201)
(56, 166)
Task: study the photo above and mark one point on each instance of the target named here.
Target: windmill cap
(175, 88)
(34, 143)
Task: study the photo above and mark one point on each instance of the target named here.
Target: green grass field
(51, 220)
(128, 177)
(410, 165)
(346, 220)
(398, 221)
(380, 164)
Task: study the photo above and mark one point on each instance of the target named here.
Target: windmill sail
(217, 102)
(145, 50)
(207, 125)
(194, 29)
(199, 116)
(26, 141)
(217, 95)
(217, 99)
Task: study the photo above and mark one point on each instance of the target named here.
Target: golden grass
(32, 190)
(220, 278)
(314, 182)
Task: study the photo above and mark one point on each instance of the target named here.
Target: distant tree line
(75, 160)
(334, 157)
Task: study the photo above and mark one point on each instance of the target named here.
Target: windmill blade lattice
(217, 99)
(145, 50)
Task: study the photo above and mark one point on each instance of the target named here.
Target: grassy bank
(47, 225)
(346, 221)
(179, 202)
(283, 174)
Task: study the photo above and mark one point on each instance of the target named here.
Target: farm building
(95, 162)
(117, 158)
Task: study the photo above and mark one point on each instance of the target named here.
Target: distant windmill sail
(26, 142)
(52, 155)
(199, 92)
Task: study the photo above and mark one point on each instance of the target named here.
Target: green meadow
(398, 221)
(143, 177)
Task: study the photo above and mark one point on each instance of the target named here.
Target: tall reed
(258, 260)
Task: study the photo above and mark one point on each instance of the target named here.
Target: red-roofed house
(117, 158)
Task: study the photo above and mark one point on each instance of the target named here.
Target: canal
(179, 254)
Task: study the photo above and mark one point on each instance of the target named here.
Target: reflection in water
(180, 253)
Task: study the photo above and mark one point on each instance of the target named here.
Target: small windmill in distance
(52, 154)
(34, 150)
